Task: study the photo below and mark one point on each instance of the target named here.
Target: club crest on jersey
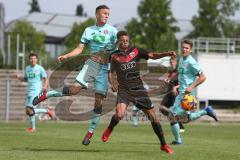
(105, 31)
(186, 65)
(132, 54)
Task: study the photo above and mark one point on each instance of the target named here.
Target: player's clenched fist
(62, 58)
(172, 53)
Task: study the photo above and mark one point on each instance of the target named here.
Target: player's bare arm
(73, 53)
(112, 82)
(20, 77)
(201, 78)
(157, 55)
(45, 83)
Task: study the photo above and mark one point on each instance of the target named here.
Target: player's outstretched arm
(20, 77)
(113, 83)
(45, 83)
(157, 55)
(73, 53)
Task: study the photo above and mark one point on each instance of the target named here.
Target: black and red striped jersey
(127, 66)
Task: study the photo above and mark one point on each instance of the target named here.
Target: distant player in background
(100, 37)
(169, 97)
(135, 109)
(37, 80)
(125, 63)
(190, 75)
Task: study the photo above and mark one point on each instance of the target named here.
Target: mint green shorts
(94, 72)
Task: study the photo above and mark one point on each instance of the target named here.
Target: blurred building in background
(55, 26)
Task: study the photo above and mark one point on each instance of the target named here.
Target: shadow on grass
(136, 143)
(77, 150)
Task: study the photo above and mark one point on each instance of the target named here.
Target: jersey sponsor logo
(99, 38)
(37, 71)
(128, 65)
(105, 31)
(181, 70)
(31, 75)
(132, 54)
(185, 65)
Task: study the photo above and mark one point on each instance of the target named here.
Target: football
(189, 102)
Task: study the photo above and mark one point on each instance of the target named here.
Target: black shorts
(137, 95)
(168, 100)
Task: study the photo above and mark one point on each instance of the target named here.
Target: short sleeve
(113, 39)
(196, 69)
(143, 53)
(114, 35)
(25, 74)
(84, 38)
(112, 64)
(43, 73)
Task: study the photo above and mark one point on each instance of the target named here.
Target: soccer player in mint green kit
(190, 75)
(100, 37)
(36, 77)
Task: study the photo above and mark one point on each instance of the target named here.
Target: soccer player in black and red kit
(129, 86)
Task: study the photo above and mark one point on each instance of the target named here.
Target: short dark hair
(101, 7)
(32, 55)
(187, 41)
(122, 33)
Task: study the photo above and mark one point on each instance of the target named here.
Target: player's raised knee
(119, 116)
(30, 111)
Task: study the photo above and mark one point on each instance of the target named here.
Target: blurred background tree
(80, 11)
(34, 41)
(73, 39)
(214, 19)
(34, 6)
(155, 30)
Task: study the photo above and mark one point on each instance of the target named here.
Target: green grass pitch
(62, 141)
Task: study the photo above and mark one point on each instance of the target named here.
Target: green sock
(40, 110)
(32, 121)
(54, 93)
(94, 121)
(195, 115)
(176, 132)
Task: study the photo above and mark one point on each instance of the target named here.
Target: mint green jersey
(34, 76)
(100, 38)
(188, 70)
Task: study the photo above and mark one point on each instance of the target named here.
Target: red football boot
(167, 149)
(106, 135)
